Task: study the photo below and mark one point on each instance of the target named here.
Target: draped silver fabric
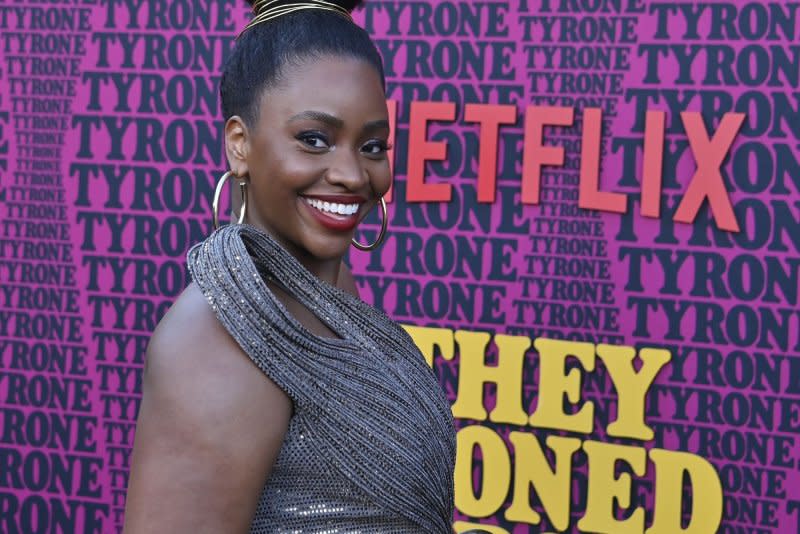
(371, 444)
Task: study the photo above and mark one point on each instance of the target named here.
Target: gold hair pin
(264, 12)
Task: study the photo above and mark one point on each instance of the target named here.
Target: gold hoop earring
(218, 192)
(384, 224)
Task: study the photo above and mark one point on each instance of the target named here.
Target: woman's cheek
(383, 180)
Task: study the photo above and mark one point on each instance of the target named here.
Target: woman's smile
(334, 212)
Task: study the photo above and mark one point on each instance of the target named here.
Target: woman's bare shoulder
(191, 350)
(181, 339)
(193, 358)
(209, 428)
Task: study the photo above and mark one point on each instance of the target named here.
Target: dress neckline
(296, 277)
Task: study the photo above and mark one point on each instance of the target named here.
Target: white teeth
(333, 207)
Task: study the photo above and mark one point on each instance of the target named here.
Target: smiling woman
(311, 147)
(274, 399)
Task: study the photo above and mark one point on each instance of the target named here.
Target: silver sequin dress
(371, 444)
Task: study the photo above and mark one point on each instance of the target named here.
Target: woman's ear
(237, 145)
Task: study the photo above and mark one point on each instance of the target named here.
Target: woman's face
(316, 160)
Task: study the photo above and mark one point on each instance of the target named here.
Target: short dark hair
(263, 52)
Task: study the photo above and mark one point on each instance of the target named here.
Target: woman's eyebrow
(320, 116)
(336, 122)
(377, 125)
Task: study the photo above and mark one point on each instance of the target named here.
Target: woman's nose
(346, 169)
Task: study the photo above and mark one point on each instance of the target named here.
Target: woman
(274, 399)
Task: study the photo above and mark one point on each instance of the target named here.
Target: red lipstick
(334, 221)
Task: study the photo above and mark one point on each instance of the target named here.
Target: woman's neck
(326, 269)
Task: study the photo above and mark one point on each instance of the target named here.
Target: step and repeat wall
(593, 238)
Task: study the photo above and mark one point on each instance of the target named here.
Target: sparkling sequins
(371, 445)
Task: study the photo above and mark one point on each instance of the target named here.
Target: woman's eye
(375, 147)
(313, 139)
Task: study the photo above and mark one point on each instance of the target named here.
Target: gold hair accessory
(218, 192)
(384, 224)
(266, 10)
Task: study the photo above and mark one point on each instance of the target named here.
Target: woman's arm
(209, 429)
